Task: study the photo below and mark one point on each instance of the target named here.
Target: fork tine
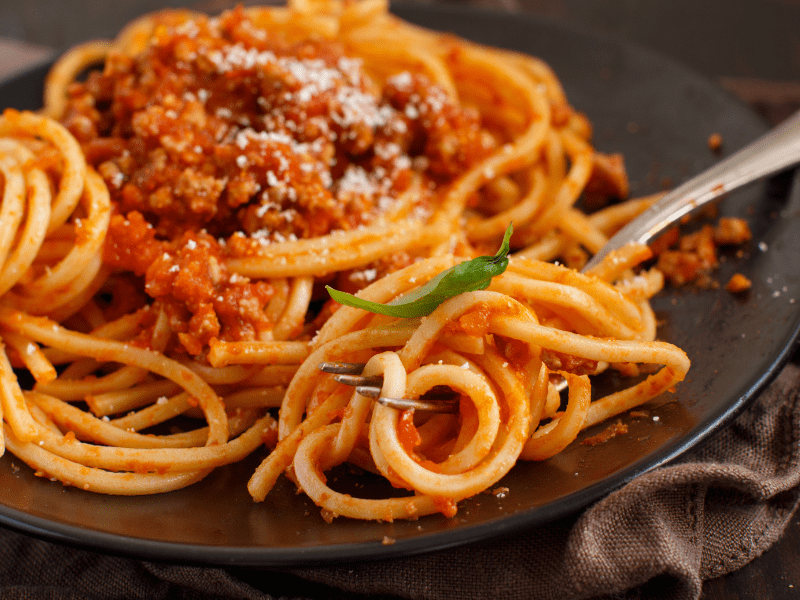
(344, 368)
(350, 374)
(439, 406)
(356, 380)
(370, 391)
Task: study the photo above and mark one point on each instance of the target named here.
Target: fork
(350, 374)
(774, 151)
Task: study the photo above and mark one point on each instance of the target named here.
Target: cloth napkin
(658, 537)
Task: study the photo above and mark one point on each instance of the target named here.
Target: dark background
(735, 38)
(750, 47)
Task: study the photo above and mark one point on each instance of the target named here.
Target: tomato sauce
(226, 137)
(691, 257)
(407, 433)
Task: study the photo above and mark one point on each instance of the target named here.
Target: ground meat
(187, 277)
(608, 180)
(450, 138)
(732, 231)
(556, 361)
(715, 142)
(679, 267)
(692, 257)
(217, 125)
(219, 137)
(665, 241)
(695, 256)
(613, 430)
(738, 283)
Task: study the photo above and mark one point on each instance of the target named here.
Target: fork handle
(774, 151)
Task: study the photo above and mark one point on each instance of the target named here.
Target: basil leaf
(468, 276)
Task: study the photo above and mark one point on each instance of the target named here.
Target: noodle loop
(170, 221)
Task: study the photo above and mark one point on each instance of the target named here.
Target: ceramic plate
(659, 115)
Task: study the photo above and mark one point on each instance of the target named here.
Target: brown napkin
(658, 537)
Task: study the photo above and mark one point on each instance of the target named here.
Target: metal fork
(775, 151)
(350, 374)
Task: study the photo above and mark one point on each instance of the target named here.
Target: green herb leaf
(468, 276)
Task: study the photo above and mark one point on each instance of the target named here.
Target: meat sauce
(558, 361)
(220, 135)
(692, 257)
(613, 430)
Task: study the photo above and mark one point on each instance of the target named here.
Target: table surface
(750, 47)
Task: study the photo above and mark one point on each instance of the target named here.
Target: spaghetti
(170, 222)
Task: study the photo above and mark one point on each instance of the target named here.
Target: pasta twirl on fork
(171, 222)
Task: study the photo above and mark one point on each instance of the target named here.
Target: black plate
(659, 115)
